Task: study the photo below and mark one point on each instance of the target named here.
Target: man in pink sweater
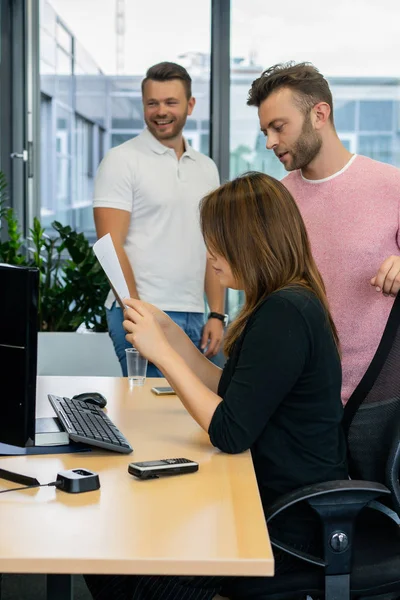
(350, 204)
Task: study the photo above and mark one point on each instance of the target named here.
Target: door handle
(21, 155)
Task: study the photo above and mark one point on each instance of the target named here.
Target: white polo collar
(159, 148)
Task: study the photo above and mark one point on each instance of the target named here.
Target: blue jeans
(191, 323)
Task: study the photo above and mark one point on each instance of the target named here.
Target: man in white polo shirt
(147, 193)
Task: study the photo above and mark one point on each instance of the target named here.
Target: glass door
(18, 152)
(17, 105)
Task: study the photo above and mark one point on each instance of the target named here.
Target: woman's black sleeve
(274, 352)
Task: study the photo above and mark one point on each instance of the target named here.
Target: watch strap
(221, 317)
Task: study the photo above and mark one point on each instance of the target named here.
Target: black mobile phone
(158, 468)
(163, 391)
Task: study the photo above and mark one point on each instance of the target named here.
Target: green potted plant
(73, 286)
(72, 292)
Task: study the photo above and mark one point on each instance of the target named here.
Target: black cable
(27, 487)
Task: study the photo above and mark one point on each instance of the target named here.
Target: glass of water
(136, 366)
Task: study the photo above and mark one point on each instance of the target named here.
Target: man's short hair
(167, 71)
(307, 83)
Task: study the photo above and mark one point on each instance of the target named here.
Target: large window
(354, 44)
(91, 88)
(365, 88)
(72, 117)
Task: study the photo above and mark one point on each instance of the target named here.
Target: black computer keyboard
(88, 424)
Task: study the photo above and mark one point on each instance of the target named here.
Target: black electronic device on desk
(85, 422)
(152, 469)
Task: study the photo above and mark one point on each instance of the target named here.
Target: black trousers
(163, 587)
(152, 587)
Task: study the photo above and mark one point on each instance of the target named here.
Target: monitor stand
(50, 432)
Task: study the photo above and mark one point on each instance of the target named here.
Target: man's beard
(176, 129)
(306, 147)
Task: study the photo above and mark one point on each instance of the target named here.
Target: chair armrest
(337, 503)
(335, 492)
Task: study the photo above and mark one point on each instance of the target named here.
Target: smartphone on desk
(152, 469)
(163, 391)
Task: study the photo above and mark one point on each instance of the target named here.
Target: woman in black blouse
(279, 392)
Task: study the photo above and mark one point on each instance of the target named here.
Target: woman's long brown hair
(255, 224)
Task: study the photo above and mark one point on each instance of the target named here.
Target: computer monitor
(19, 291)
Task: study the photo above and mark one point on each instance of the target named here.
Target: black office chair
(361, 535)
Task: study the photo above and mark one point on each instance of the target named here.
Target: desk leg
(59, 587)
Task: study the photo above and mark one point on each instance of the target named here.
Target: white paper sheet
(106, 255)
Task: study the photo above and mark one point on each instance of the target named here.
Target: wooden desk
(206, 523)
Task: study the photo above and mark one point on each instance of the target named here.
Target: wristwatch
(223, 318)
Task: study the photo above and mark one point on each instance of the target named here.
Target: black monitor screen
(19, 287)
